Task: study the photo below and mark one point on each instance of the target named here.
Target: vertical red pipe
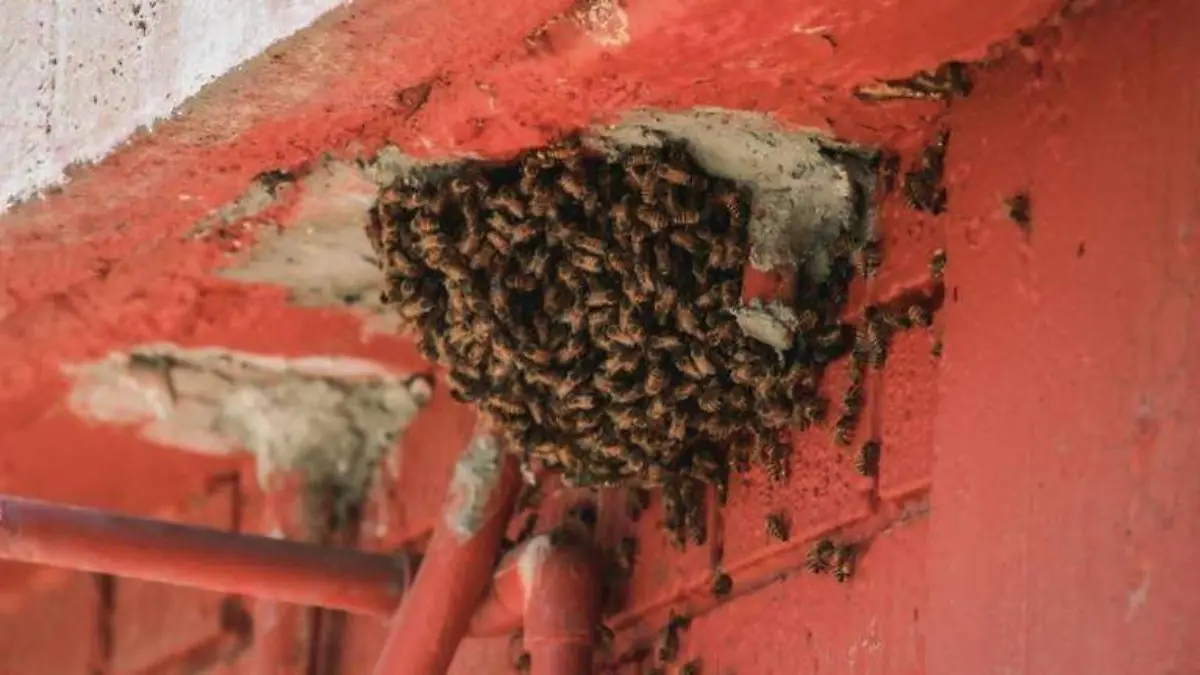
(457, 566)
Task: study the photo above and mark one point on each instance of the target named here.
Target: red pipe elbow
(552, 585)
(458, 564)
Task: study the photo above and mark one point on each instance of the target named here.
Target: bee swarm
(585, 304)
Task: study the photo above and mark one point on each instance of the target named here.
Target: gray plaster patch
(334, 419)
(804, 191)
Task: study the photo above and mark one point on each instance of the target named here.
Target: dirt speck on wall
(334, 419)
(803, 197)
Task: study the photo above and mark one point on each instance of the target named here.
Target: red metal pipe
(552, 585)
(457, 565)
(259, 567)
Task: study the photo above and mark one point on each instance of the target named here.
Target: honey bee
(636, 501)
(690, 668)
(626, 553)
(732, 203)
(685, 218)
(673, 175)
(843, 563)
(624, 419)
(572, 351)
(936, 349)
(523, 663)
(721, 586)
(937, 264)
(656, 409)
(710, 400)
(777, 527)
(664, 302)
(688, 322)
(572, 185)
(569, 383)
(588, 263)
(509, 202)
(820, 556)
(918, 316)
(868, 258)
(866, 461)
(499, 242)
(677, 428)
(652, 218)
(656, 380)
(843, 431)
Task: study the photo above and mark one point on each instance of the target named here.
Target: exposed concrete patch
(332, 418)
(322, 255)
(774, 324)
(256, 199)
(475, 478)
(804, 192)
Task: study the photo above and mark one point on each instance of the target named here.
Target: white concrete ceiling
(80, 76)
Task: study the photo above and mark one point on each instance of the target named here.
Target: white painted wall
(77, 77)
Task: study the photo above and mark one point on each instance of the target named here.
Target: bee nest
(585, 302)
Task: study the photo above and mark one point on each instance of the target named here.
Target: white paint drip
(475, 477)
(536, 552)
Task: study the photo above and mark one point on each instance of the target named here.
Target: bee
(423, 226)
(667, 647)
(854, 397)
(677, 428)
(688, 322)
(522, 233)
(543, 204)
(937, 264)
(572, 351)
(572, 185)
(1020, 210)
(777, 527)
(721, 586)
(588, 263)
(523, 663)
(843, 563)
(656, 409)
(509, 202)
(809, 411)
(656, 380)
(866, 461)
(843, 431)
(499, 242)
(701, 361)
(621, 362)
(820, 556)
(710, 400)
(626, 553)
(653, 218)
(673, 175)
(936, 349)
(624, 419)
(685, 218)
(829, 337)
(564, 150)
(589, 244)
(732, 203)
(918, 316)
(664, 302)
(868, 259)
(569, 383)
(690, 668)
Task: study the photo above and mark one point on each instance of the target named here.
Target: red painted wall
(1034, 512)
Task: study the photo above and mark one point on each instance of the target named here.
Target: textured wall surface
(80, 76)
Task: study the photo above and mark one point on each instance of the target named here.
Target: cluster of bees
(582, 302)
